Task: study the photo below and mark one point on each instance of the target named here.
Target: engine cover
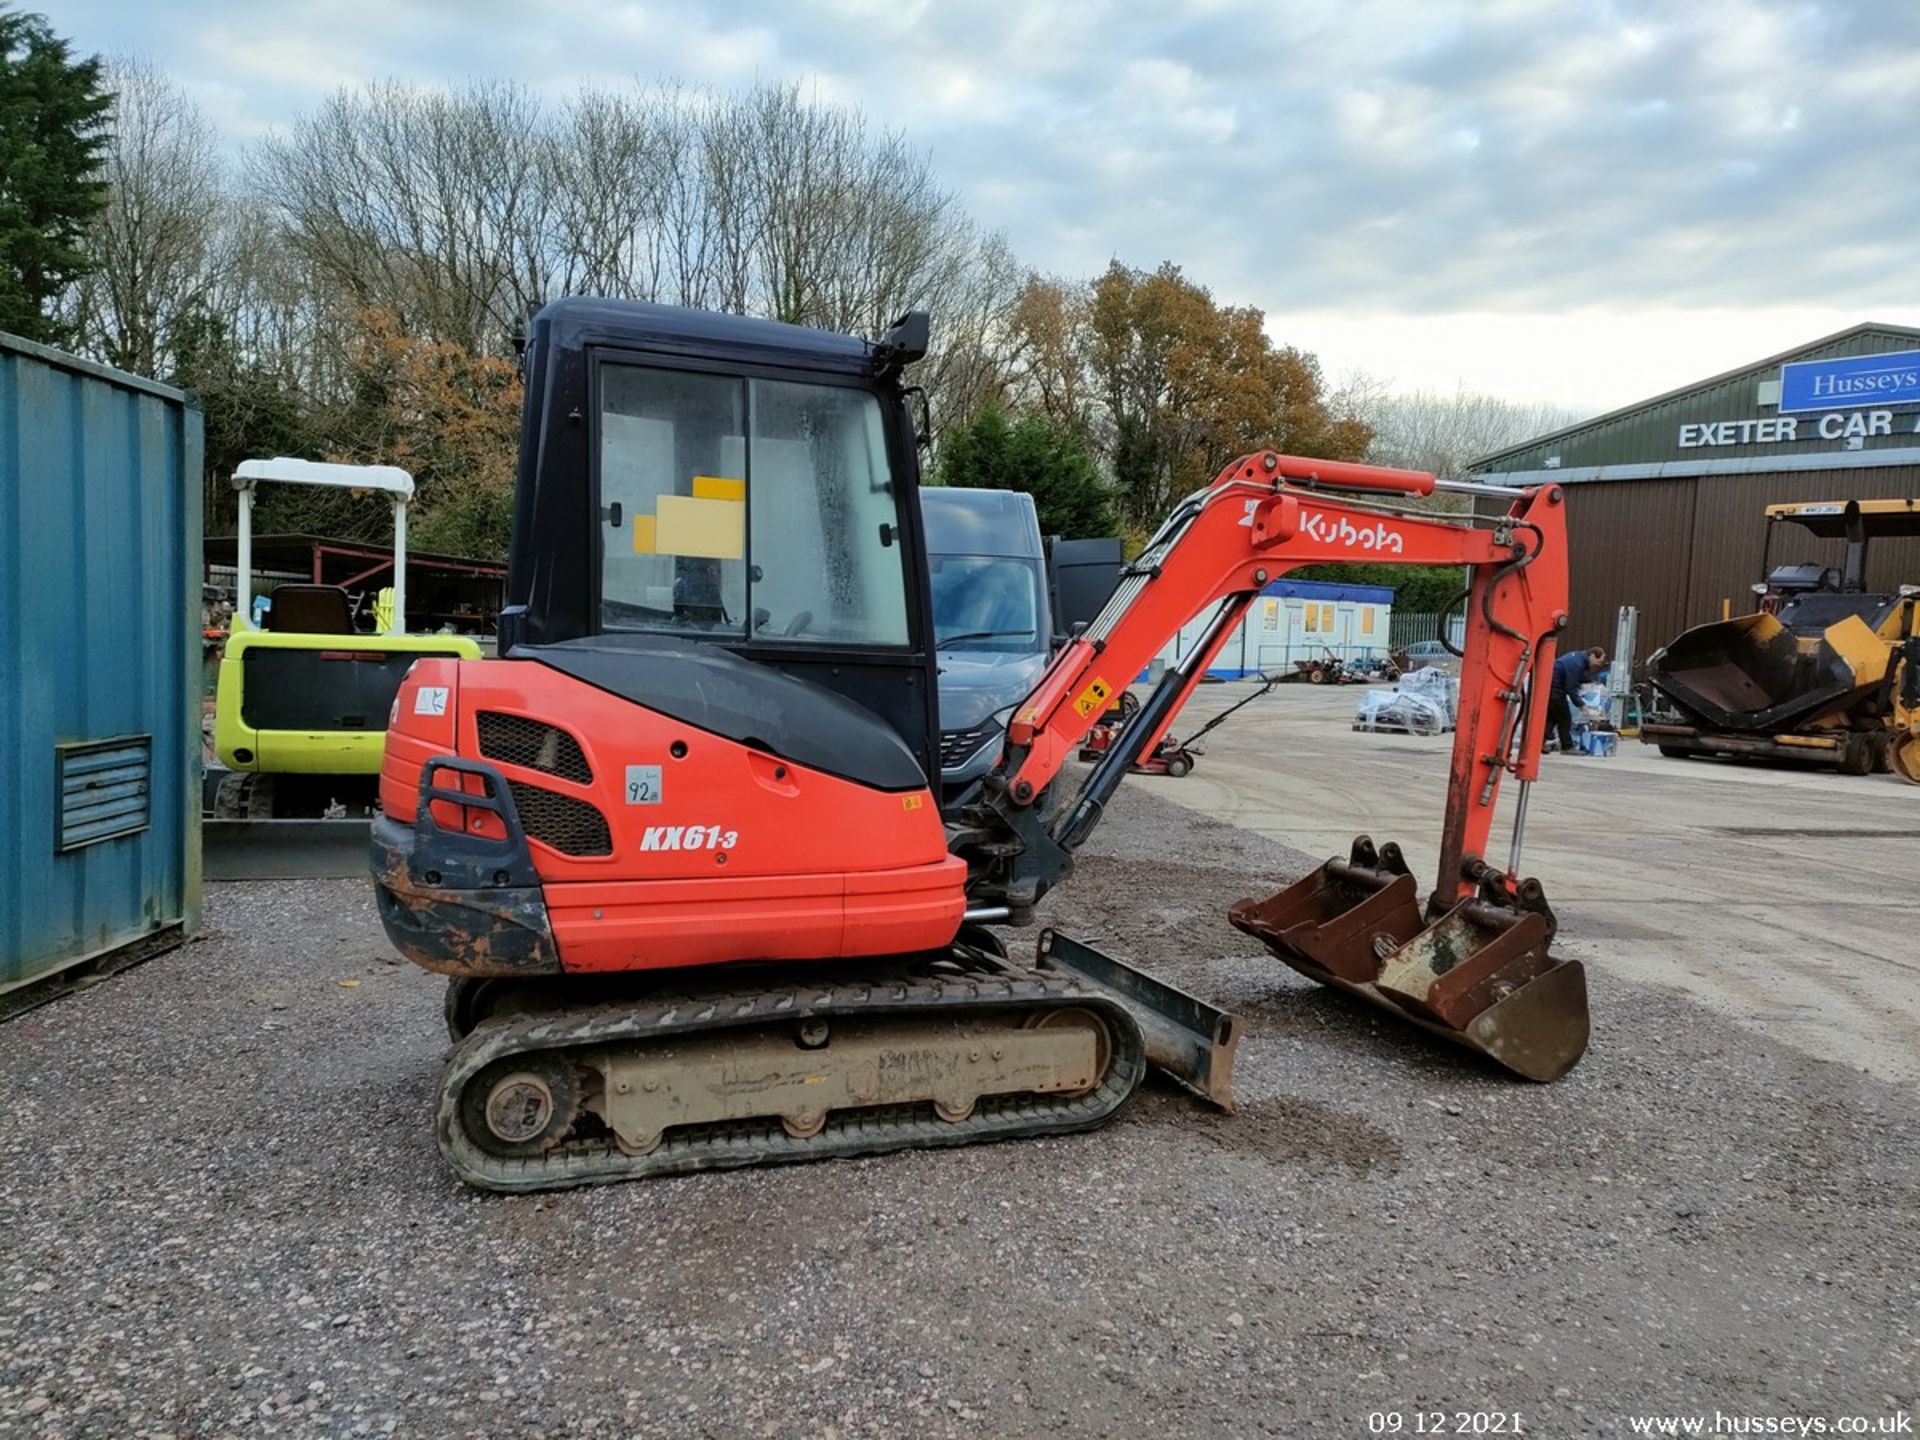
(656, 843)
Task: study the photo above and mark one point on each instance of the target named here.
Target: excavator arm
(1482, 938)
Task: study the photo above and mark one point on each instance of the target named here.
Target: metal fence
(1410, 629)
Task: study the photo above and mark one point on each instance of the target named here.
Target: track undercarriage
(571, 1082)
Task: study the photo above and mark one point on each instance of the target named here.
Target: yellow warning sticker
(911, 802)
(1093, 698)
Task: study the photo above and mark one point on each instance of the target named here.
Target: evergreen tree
(1042, 457)
(53, 128)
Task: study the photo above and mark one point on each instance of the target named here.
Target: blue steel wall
(100, 484)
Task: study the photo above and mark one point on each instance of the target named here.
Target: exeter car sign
(1848, 380)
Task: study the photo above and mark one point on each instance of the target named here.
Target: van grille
(573, 827)
(533, 745)
(959, 746)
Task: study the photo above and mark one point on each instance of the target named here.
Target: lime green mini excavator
(305, 683)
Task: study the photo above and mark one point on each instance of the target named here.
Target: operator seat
(311, 610)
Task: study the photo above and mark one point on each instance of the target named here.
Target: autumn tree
(450, 418)
(1045, 362)
(53, 127)
(1188, 384)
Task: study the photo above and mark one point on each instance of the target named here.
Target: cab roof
(1828, 519)
(578, 322)
(287, 471)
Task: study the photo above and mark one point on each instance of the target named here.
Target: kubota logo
(688, 837)
(1377, 536)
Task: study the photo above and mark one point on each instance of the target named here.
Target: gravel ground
(221, 1213)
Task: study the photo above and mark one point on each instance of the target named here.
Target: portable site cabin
(1296, 620)
(100, 476)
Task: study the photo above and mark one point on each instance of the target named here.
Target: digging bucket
(1481, 974)
(1327, 922)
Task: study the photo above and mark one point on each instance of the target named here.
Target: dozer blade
(1480, 975)
(1186, 1038)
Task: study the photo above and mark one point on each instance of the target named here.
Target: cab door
(775, 513)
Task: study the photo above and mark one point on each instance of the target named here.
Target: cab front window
(759, 509)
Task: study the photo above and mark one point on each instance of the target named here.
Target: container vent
(104, 791)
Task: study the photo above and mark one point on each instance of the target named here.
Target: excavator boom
(1480, 971)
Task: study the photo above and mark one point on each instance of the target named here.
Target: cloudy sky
(1576, 201)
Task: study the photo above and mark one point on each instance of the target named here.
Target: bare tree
(425, 205)
(159, 241)
(454, 211)
(1442, 433)
(608, 170)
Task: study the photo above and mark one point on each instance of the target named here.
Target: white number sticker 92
(643, 785)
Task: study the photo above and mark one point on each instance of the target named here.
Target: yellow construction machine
(1824, 670)
(306, 682)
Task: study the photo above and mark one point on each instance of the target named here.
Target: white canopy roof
(390, 478)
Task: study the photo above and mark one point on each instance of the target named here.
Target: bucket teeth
(1481, 974)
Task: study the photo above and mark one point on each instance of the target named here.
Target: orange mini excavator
(681, 851)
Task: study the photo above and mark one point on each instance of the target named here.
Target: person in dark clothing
(1570, 672)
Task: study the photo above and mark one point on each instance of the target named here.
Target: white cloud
(1409, 177)
(1590, 359)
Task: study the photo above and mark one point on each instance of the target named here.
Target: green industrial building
(1666, 498)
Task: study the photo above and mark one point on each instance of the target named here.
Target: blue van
(993, 624)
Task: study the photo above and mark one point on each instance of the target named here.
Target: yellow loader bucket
(1904, 756)
(1480, 975)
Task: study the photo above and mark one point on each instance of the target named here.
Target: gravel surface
(221, 1213)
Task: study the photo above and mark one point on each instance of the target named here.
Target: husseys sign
(1849, 398)
(1846, 381)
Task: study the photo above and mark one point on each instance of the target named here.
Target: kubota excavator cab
(712, 481)
(716, 661)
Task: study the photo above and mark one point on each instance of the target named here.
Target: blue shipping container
(100, 484)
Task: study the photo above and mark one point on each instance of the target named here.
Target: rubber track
(993, 985)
